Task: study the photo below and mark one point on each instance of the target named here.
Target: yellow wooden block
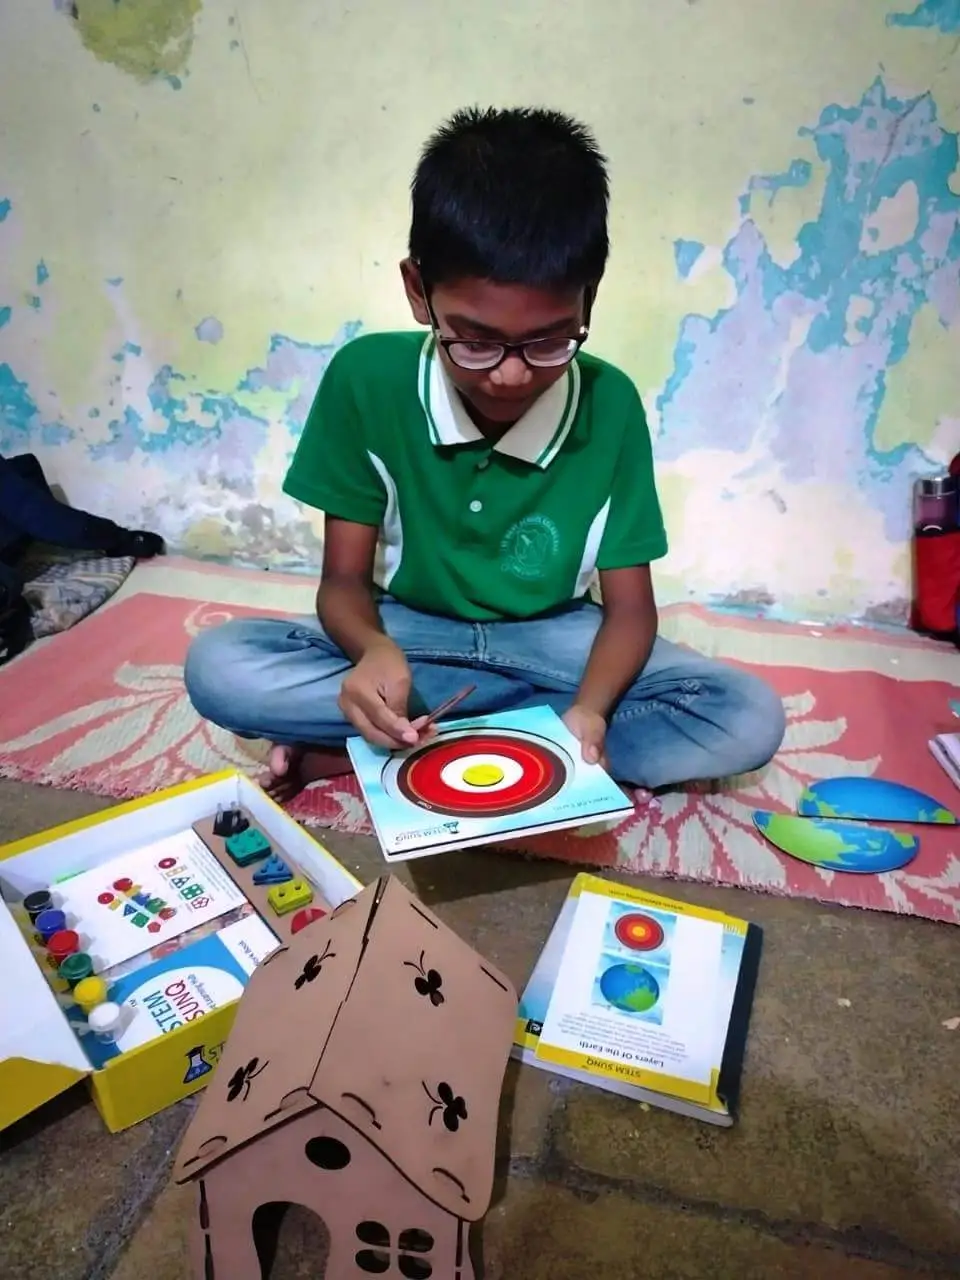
(290, 896)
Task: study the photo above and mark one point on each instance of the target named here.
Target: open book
(644, 996)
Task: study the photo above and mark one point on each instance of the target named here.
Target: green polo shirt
(470, 529)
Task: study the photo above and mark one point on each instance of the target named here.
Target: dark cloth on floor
(29, 512)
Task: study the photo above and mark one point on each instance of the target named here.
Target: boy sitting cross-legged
(500, 468)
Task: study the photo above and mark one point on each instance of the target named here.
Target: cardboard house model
(361, 1080)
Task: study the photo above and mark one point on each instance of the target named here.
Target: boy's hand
(373, 697)
(590, 730)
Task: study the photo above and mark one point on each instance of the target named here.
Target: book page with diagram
(636, 996)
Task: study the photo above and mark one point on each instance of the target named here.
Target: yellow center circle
(482, 775)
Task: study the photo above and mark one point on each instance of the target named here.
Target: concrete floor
(844, 1165)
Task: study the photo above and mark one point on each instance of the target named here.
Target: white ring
(452, 774)
(391, 769)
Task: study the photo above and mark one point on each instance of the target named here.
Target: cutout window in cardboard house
(327, 1153)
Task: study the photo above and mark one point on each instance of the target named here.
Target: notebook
(946, 751)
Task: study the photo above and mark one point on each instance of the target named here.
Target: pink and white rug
(102, 708)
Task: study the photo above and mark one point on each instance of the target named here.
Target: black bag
(29, 511)
(15, 630)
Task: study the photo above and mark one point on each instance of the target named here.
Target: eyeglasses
(482, 354)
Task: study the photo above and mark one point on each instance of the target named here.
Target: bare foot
(294, 767)
(644, 801)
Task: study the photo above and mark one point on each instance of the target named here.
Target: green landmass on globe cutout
(630, 988)
(804, 840)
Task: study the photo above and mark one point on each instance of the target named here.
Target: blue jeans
(684, 717)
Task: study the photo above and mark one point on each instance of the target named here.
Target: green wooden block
(247, 846)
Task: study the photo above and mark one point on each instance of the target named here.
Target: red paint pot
(63, 944)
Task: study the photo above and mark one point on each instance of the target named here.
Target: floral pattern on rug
(122, 726)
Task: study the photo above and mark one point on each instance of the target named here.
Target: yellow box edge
(674, 1086)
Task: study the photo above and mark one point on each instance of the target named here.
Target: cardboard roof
(381, 1013)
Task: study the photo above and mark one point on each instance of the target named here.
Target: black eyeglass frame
(509, 348)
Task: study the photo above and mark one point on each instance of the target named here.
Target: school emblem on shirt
(528, 547)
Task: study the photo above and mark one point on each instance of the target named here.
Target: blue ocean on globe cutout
(630, 987)
(871, 799)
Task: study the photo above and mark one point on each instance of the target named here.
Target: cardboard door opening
(283, 1233)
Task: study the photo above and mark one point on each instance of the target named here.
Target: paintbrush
(444, 707)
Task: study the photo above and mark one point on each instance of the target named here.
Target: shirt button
(476, 505)
(483, 464)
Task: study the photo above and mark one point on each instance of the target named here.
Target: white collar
(536, 438)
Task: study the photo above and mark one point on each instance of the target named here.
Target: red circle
(166, 863)
(543, 773)
(105, 899)
(638, 932)
(123, 885)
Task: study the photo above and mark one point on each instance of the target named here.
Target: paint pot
(89, 992)
(63, 944)
(36, 903)
(935, 504)
(75, 968)
(48, 923)
(105, 1022)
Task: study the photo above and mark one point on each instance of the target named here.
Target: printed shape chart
(148, 896)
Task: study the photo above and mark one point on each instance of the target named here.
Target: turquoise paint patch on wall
(43, 275)
(297, 367)
(20, 419)
(798, 174)
(5, 207)
(128, 349)
(190, 427)
(736, 373)
(943, 15)
(5, 314)
(192, 417)
(686, 253)
(203, 444)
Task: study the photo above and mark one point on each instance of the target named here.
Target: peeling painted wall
(200, 203)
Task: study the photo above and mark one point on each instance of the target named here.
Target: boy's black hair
(515, 196)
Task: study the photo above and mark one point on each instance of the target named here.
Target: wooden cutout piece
(423, 1077)
(247, 847)
(256, 894)
(292, 895)
(281, 1029)
(230, 821)
(320, 1162)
